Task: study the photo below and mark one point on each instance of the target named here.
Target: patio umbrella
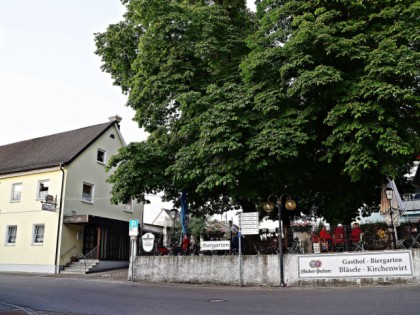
(396, 204)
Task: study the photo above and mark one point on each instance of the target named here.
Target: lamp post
(269, 207)
(174, 212)
(389, 194)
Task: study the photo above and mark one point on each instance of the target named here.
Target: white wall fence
(355, 268)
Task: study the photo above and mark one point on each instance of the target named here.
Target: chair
(416, 240)
(324, 246)
(359, 245)
(296, 247)
(265, 248)
(338, 242)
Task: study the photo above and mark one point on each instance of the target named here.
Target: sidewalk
(109, 275)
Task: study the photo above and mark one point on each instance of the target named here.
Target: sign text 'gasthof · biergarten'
(361, 265)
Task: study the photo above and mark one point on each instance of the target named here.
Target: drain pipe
(57, 262)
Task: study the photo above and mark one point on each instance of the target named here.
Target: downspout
(57, 262)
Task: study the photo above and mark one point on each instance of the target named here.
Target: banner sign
(215, 245)
(360, 265)
(184, 213)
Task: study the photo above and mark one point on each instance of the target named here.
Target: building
(411, 201)
(55, 201)
(165, 220)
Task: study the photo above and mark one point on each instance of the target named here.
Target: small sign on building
(49, 204)
(148, 242)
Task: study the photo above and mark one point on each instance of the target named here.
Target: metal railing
(68, 251)
(91, 255)
(411, 201)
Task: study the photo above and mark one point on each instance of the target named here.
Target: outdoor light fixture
(389, 192)
(268, 207)
(173, 213)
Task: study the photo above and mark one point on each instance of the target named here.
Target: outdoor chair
(338, 242)
(265, 248)
(415, 238)
(358, 245)
(324, 246)
(296, 247)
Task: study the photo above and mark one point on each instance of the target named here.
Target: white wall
(86, 169)
(27, 212)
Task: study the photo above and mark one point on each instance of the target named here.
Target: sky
(50, 78)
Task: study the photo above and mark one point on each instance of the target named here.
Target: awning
(76, 219)
(83, 219)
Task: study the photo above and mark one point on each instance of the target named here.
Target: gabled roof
(49, 151)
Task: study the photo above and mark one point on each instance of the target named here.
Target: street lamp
(389, 194)
(174, 213)
(268, 207)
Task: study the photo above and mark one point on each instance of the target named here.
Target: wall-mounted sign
(215, 245)
(49, 204)
(148, 242)
(360, 265)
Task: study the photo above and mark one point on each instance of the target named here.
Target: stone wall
(258, 270)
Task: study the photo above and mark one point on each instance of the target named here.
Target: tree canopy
(319, 99)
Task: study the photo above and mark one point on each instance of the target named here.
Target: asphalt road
(40, 294)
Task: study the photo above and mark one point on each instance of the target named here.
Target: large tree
(339, 81)
(326, 103)
(179, 63)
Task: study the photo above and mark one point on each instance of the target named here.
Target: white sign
(133, 228)
(215, 245)
(247, 231)
(360, 265)
(249, 223)
(148, 241)
(48, 207)
(249, 215)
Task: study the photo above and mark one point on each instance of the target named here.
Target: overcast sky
(50, 78)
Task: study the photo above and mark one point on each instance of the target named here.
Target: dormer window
(100, 156)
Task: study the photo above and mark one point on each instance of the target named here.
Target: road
(41, 294)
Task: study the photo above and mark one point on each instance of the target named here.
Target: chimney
(115, 118)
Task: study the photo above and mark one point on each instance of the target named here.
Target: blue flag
(184, 213)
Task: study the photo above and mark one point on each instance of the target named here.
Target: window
(16, 192)
(128, 206)
(87, 193)
(38, 233)
(43, 187)
(11, 234)
(100, 156)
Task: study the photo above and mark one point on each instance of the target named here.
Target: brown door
(90, 238)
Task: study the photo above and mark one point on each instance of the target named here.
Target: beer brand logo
(315, 264)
